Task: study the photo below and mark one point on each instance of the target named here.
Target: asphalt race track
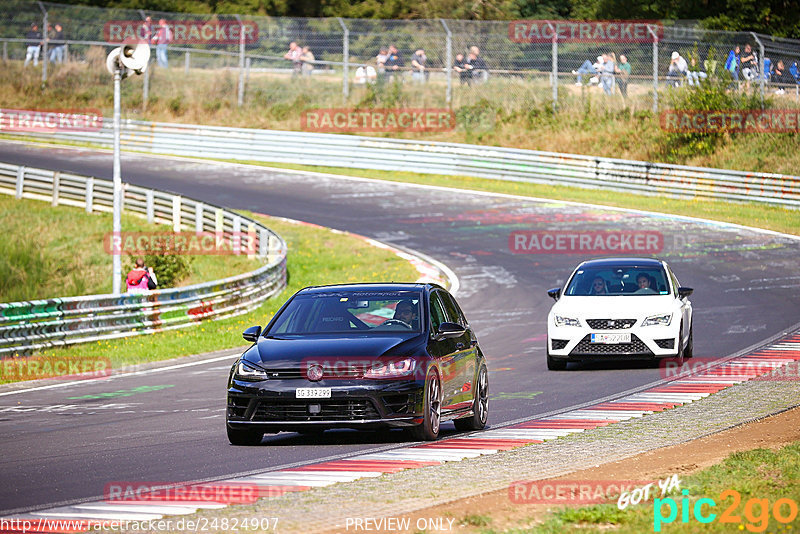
(67, 443)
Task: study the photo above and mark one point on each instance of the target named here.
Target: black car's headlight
(247, 371)
(393, 369)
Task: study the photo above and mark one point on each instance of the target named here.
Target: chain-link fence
(511, 64)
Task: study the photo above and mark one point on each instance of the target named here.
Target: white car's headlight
(247, 371)
(566, 321)
(658, 320)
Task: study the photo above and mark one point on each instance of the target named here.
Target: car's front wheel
(480, 406)
(244, 436)
(555, 364)
(428, 430)
(688, 351)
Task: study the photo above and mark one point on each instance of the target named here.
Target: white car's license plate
(611, 339)
(312, 393)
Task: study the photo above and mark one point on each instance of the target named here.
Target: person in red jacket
(141, 279)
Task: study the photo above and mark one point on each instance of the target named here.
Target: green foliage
(171, 266)
(601, 513)
(477, 117)
(476, 520)
(712, 95)
(176, 105)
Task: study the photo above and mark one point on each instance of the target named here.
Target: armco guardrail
(40, 324)
(444, 158)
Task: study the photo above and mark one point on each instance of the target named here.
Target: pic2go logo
(756, 511)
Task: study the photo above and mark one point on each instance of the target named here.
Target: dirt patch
(772, 432)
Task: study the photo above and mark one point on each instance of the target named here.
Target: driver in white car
(643, 280)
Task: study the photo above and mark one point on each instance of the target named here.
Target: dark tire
(480, 406)
(688, 351)
(554, 364)
(428, 430)
(244, 436)
(681, 349)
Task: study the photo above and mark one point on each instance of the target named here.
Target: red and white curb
(273, 484)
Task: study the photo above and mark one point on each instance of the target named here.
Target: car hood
(291, 351)
(618, 307)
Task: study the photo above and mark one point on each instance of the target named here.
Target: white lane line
(420, 451)
(533, 433)
(286, 482)
(152, 507)
(417, 456)
(331, 474)
(301, 476)
(74, 513)
(120, 375)
(454, 449)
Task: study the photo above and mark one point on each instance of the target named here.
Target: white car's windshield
(350, 311)
(622, 280)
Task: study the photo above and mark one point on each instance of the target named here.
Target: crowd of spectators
(389, 66)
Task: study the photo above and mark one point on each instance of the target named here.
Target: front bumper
(647, 343)
(272, 404)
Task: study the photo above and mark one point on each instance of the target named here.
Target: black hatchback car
(359, 356)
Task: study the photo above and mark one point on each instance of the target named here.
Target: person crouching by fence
(141, 279)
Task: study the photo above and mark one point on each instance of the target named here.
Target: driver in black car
(406, 311)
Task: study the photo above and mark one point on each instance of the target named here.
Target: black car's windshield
(618, 280)
(350, 312)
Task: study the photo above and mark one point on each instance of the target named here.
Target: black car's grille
(329, 410)
(610, 324)
(558, 344)
(636, 346)
(666, 343)
(342, 371)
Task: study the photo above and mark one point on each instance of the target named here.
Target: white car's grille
(610, 324)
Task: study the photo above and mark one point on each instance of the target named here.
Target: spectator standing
(57, 44)
(624, 71)
(393, 62)
(146, 32)
(732, 63)
(460, 66)
(140, 279)
(162, 38)
(380, 63)
(307, 61)
(477, 66)
(749, 63)
(781, 76)
(607, 75)
(418, 72)
(678, 69)
(33, 38)
(293, 55)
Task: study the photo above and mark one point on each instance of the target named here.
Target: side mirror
(252, 333)
(449, 330)
(684, 292)
(554, 293)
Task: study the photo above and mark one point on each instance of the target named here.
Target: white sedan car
(619, 309)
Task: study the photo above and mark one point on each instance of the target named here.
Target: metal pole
(345, 59)
(449, 65)
(655, 68)
(117, 266)
(146, 88)
(240, 99)
(554, 74)
(247, 64)
(46, 42)
(5, 51)
(186, 62)
(762, 74)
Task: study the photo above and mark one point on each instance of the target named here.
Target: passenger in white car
(643, 281)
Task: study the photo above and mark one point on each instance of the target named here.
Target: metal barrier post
(236, 240)
(198, 217)
(150, 206)
(146, 88)
(449, 64)
(655, 68)
(186, 62)
(762, 74)
(240, 99)
(247, 63)
(89, 194)
(5, 51)
(345, 59)
(20, 180)
(176, 213)
(263, 242)
(56, 186)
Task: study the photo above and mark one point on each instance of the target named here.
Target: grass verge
(752, 492)
(317, 256)
(62, 253)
